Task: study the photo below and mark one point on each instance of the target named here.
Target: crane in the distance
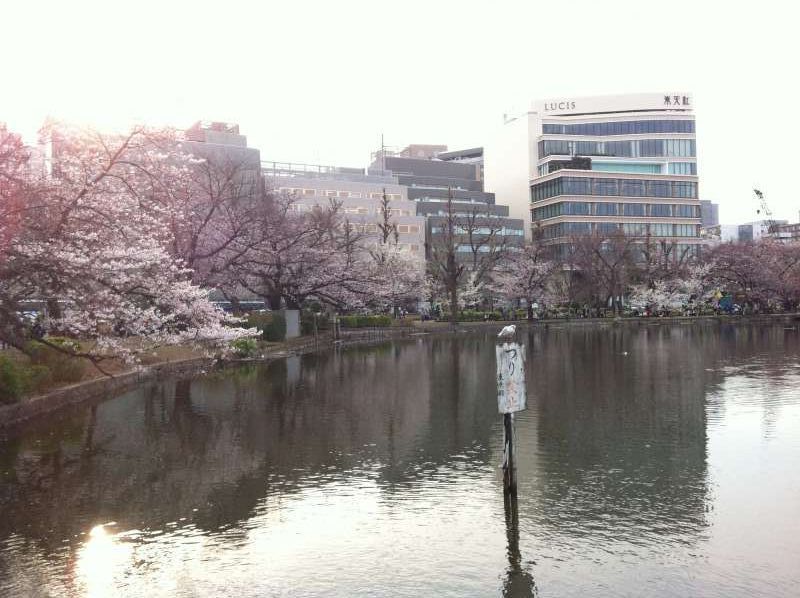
(772, 226)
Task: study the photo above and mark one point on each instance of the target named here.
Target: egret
(508, 331)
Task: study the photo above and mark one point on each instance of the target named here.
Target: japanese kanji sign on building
(511, 395)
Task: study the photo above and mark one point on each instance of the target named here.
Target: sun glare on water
(100, 561)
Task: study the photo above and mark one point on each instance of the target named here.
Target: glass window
(605, 187)
(661, 210)
(682, 168)
(606, 228)
(577, 208)
(633, 209)
(613, 187)
(605, 209)
(632, 188)
(634, 228)
(661, 230)
(682, 211)
(637, 127)
(577, 186)
(577, 228)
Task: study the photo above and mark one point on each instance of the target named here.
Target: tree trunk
(274, 301)
(453, 290)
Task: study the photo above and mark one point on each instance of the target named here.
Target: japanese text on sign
(510, 377)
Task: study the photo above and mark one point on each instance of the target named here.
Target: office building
(360, 196)
(602, 165)
(225, 148)
(709, 213)
(431, 181)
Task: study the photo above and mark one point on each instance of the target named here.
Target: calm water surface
(660, 461)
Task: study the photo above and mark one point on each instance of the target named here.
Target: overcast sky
(320, 81)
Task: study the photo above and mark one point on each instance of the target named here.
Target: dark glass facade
(634, 229)
(613, 187)
(629, 127)
(633, 148)
(585, 208)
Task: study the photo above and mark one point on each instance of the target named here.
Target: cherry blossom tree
(300, 255)
(762, 271)
(692, 283)
(602, 266)
(528, 274)
(13, 183)
(211, 208)
(91, 242)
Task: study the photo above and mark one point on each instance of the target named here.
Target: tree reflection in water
(612, 454)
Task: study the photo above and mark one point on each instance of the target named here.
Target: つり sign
(511, 396)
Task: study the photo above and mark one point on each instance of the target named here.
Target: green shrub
(17, 379)
(272, 325)
(381, 321)
(62, 366)
(245, 347)
(11, 381)
(307, 322)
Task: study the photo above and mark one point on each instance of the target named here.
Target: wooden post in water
(509, 465)
(511, 397)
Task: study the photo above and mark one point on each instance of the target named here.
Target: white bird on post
(508, 332)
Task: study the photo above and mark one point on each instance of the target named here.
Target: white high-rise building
(601, 165)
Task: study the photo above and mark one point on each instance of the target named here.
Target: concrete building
(360, 195)
(599, 165)
(789, 232)
(226, 148)
(761, 229)
(431, 181)
(751, 231)
(709, 213)
(482, 222)
(473, 155)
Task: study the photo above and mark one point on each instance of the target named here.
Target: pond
(652, 460)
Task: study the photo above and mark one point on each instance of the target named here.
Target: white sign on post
(511, 396)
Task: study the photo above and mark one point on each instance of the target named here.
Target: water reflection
(518, 582)
(373, 471)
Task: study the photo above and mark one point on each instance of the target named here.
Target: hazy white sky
(319, 81)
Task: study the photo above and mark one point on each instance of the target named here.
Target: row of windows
(628, 127)
(683, 168)
(468, 249)
(678, 251)
(612, 187)
(363, 211)
(373, 228)
(585, 208)
(482, 230)
(412, 247)
(469, 215)
(627, 167)
(634, 229)
(298, 191)
(636, 148)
